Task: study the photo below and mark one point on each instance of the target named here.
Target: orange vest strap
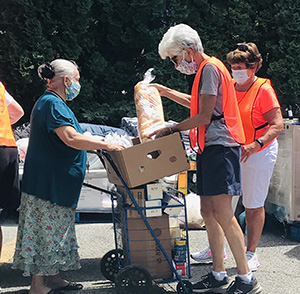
(230, 107)
(6, 134)
(246, 108)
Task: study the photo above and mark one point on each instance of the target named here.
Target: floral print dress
(46, 240)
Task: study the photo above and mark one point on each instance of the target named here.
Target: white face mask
(240, 75)
(187, 68)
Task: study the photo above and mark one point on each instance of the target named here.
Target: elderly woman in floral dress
(53, 175)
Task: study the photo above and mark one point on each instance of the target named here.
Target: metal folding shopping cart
(143, 245)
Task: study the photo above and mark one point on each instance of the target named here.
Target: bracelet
(171, 131)
(260, 142)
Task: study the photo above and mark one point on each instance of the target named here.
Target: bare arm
(81, 142)
(207, 104)
(15, 111)
(178, 97)
(275, 120)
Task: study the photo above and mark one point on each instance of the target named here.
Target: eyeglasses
(242, 47)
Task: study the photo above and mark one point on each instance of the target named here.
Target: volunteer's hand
(160, 133)
(160, 88)
(248, 150)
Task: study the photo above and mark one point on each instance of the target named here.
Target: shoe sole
(256, 290)
(220, 290)
(254, 269)
(212, 290)
(204, 261)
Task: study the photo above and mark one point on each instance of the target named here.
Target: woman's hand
(248, 150)
(114, 147)
(161, 133)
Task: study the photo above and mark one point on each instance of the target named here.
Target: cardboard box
(172, 209)
(144, 250)
(152, 212)
(149, 161)
(154, 191)
(139, 196)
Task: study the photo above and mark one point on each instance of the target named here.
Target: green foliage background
(115, 42)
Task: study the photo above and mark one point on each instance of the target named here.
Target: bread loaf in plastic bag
(149, 108)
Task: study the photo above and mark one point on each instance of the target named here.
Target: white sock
(219, 275)
(247, 278)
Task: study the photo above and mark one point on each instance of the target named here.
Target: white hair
(63, 67)
(177, 38)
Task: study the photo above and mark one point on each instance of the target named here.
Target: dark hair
(46, 71)
(245, 53)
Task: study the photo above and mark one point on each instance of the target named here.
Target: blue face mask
(72, 91)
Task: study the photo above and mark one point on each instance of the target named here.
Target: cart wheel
(188, 285)
(109, 263)
(133, 280)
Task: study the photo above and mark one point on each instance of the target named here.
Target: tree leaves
(115, 42)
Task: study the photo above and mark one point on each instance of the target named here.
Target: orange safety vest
(6, 134)
(230, 107)
(246, 108)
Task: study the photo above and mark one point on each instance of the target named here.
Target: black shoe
(240, 287)
(209, 283)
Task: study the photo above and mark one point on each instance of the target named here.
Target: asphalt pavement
(279, 257)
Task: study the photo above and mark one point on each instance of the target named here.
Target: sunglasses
(174, 59)
(242, 47)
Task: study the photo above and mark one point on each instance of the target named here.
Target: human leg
(255, 219)
(38, 285)
(214, 231)
(58, 283)
(256, 176)
(219, 219)
(224, 216)
(204, 256)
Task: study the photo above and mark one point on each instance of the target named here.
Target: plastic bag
(22, 148)
(148, 107)
(194, 217)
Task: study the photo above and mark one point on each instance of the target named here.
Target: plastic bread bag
(148, 107)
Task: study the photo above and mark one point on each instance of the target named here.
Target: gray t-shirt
(216, 132)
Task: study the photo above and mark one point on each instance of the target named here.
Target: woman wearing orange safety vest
(10, 112)
(216, 133)
(262, 123)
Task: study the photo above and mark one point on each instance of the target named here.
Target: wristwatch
(260, 142)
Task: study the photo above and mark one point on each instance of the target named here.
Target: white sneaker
(252, 260)
(205, 256)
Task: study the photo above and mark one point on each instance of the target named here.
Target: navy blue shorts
(9, 178)
(219, 171)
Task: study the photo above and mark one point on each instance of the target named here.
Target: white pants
(256, 176)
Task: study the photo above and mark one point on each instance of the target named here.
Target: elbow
(205, 120)
(20, 114)
(281, 128)
(72, 142)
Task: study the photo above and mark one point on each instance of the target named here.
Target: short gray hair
(177, 38)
